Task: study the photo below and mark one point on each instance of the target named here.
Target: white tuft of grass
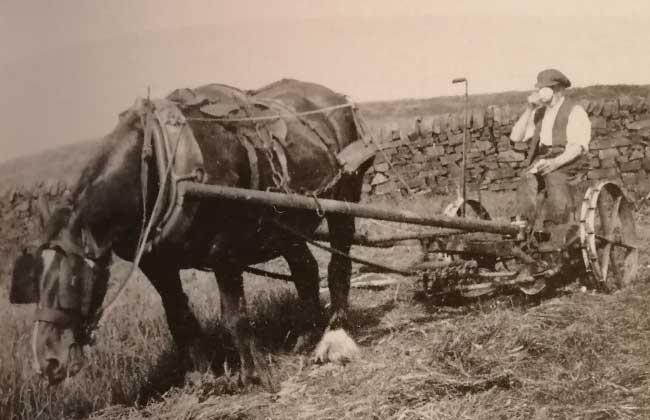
(336, 346)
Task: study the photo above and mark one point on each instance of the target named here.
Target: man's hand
(533, 100)
(545, 166)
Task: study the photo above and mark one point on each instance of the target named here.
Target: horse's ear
(24, 280)
(44, 211)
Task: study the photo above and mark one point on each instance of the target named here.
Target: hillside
(60, 164)
(65, 163)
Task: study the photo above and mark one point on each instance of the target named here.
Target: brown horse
(67, 275)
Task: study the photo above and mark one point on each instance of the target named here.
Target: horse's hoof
(305, 342)
(336, 346)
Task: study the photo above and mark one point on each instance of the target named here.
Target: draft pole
(464, 164)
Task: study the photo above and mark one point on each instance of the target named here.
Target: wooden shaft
(368, 211)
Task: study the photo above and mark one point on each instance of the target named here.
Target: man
(559, 131)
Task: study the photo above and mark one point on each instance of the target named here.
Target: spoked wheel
(608, 237)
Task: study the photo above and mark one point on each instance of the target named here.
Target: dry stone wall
(18, 221)
(429, 157)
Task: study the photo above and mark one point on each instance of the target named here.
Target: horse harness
(170, 146)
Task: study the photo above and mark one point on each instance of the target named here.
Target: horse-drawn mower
(475, 256)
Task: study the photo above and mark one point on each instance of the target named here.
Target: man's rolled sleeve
(578, 130)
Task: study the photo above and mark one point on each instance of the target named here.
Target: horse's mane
(97, 163)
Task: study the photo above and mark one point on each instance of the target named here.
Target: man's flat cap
(550, 78)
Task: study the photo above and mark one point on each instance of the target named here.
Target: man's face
(545, 95)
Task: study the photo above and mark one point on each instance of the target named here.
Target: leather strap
(68, 247)
(252, 161)
(57, 317)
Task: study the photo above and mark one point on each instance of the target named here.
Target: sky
(68, 67)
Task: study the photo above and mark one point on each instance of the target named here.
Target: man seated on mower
(559, 132)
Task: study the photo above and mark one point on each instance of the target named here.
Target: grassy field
(574, 356)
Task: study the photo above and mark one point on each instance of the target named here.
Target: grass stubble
(578, 355)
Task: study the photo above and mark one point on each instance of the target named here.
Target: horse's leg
(304, 273)
(336, 344)
(234, 315)
(183, 325)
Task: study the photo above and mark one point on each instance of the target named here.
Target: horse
(67, 274)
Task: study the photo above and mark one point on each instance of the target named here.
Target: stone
(608, 173)
(629, 179)
(501, 173)
(24, 206)
(609, 142)
(521, 146)
(637, 154)
(632, 166)
(646, 163)
(622, 157)
(498, 115)
(598, 122)
(638, 125)
(490, 164)
(419, 157)
(453, 169)
(594, 162)
(416, 182)
(643, 183)
(597, 107)
(455, 139)
(413, 135)
(455, 157)
(507, 114)
(385, 188)
(608, 162)
(411, 169)
(510, 156)
(382, 167)
(435, 125)
(453, 122)
(379, 179)
(503, 144)
(436, 150)
(625, 103)
(484, 145)
(478, 119)
(610, 108)
(395, 134)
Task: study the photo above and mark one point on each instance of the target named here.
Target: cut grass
(580, 355)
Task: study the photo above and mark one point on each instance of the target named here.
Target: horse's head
(66, 275)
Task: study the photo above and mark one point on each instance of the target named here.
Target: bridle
(86, 321)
